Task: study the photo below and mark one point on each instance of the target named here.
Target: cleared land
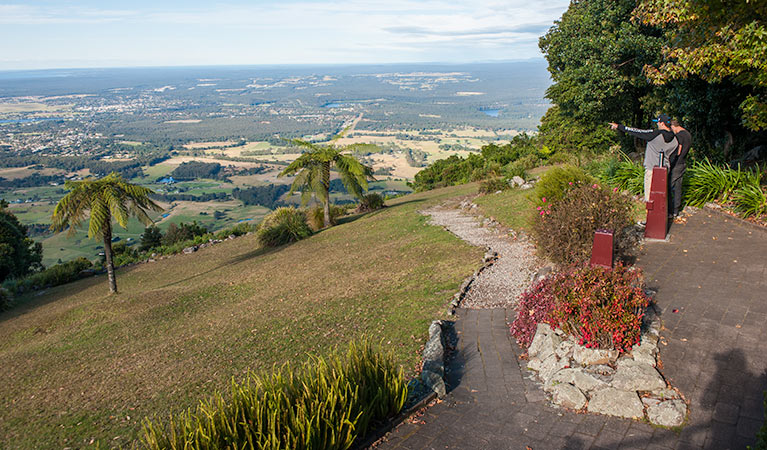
(81, 365)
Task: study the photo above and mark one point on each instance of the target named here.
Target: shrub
(564, 231)
(52, 276)
(628, 176)
(316, 216)
(182, 232)
(602, 308)
(761, 435)
(557, 181)
(750, 200)
(6, 299)
(282, 226)
(326, 404)
(370, 202)
(493, 185)
(707, 182)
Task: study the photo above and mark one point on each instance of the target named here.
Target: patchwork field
(83, 367)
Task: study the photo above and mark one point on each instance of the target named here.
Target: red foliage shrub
(600, 307)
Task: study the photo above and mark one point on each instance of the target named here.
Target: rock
(665, 394)
(190, 250)
(600, 369)
(433, 360)
(589, 356)
(534, 364)
(542, 273)
(434, 382)
(526, 186)
(565, 349)
(231, 236)
(541, 332)
(550, 366)
(635, 376)
(670, 413)
(644, 358)
(517, 180)
(615, 402)
(577, 377)
(567, 395)
(649, 401)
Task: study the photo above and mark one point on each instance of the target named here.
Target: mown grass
(81, 366)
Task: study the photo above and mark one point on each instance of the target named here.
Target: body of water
(29, 120)
(491, 112)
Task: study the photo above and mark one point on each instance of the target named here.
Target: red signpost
(602, 251)
(657, 207)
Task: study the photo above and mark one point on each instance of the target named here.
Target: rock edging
(604, 381)
(488, 260)
(433, 368)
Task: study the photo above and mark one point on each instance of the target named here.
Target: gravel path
(499, 285)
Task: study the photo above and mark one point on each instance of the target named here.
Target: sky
(37, 34)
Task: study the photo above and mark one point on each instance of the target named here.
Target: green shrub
(6, 299)
(370, 202)
(707, 182)
(282, 226)
(493, 185)
(564, 230)
(750, 200)
(515, 169)
(325, 404)
(761, 435)
(316, 215)
(602, 308)
(628, 176)
(558, 180)
(52, 276)
(240, 229)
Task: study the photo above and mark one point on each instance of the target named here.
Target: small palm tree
(312, 170)
(103, 199)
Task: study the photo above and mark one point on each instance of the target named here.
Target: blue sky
(87, 33)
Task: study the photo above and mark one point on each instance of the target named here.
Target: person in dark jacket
(658, 141)
(678, 164)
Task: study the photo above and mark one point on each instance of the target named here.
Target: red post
(657, 207)
(602, 251)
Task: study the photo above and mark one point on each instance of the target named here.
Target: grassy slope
(80, 364)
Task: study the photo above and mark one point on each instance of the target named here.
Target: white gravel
(499, 285)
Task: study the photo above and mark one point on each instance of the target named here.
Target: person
(678, 164)
(660, 140)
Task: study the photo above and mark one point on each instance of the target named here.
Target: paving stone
(726, 413)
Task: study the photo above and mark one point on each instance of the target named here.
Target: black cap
(663, 118)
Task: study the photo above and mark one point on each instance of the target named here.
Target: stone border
(489, 259)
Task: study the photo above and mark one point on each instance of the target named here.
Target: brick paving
(712, 272)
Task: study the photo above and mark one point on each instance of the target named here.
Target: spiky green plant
(749, 198)
(325, 404)
(101, 200)
(708, 182)
(282, 226)
(628, 176)
(312, 171)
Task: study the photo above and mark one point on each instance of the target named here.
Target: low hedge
(53, 276)
(328, 403)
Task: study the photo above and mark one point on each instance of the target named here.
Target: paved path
(713, 272)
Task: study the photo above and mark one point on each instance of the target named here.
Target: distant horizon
(539, 59)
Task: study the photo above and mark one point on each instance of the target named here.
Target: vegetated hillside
(81, 365)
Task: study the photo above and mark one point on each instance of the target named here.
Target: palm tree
(103, 199)
(312, 170)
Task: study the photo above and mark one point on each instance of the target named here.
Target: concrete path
(711, 280)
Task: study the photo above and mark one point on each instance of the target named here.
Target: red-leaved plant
(602, 308)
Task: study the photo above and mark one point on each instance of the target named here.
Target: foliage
(150, 238)
(628, 176)
(493, 185)
(557, 181)
(600, 307)
(708, 182)
(282, 226)
(370, 202)
(6, 299)
(53, 276)
(316, 215)
(564, 229)
(182, 232)
(268, 195)
(750, 200)
(564, 134)
(192, 170)
(715, 41)
(451, 171)
(101, 200)
(312, 171)
(326, 404)
(19, 255)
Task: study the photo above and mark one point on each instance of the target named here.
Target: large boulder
(636, 376)
(591, 356)
(615, 402)
(542, 332)
(577, 377)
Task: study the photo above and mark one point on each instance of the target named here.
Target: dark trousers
(675, 194)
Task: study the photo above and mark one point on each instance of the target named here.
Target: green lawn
(81, 365)
(512, 208)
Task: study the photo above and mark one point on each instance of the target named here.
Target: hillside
(81, 366)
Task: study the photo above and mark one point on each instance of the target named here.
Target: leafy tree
(151, 238)
(101, 200)
(716, 40)
(19, 255)
(312, 170)
(182, 232)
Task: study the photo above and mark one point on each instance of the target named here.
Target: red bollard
(602, 251)
(657, 208)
